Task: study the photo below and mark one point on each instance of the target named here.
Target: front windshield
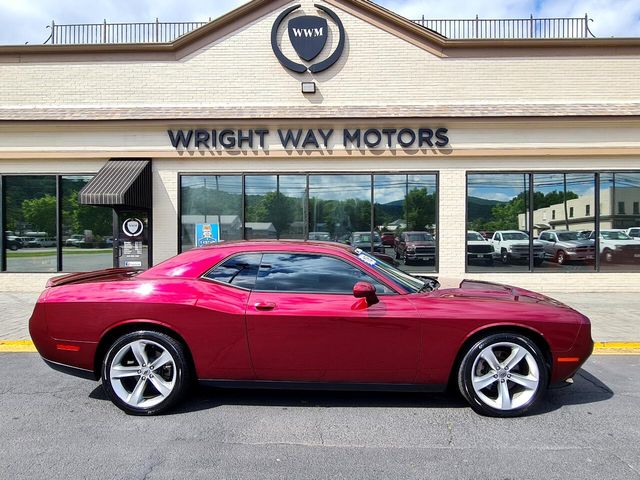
(567, 236)
(612, 235)
(365, 237)
(419, 237)
(398, 277)
(474, 237)
(515, 236)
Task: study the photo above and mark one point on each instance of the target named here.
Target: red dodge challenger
(293, 314)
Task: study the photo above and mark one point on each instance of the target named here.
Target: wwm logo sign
(308, 32)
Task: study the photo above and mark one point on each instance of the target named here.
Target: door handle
(265, 306)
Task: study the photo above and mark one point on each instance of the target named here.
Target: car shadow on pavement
(586, 389)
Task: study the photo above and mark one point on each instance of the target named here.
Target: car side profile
(283, 314)
(563, 246)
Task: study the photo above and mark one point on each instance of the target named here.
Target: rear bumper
(70, 370)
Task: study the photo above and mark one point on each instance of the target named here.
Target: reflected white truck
(513, 246)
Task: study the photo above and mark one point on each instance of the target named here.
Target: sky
(23, 21)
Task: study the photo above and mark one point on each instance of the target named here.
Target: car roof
(195, 262)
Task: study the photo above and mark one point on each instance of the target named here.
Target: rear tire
(503, 375)
(145, 372)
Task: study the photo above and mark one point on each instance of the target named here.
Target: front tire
(145, 372)
(503, 375)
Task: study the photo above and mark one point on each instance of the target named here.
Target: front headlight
(411, 248)
(572, 249)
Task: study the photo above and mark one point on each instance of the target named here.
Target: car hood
(478, 289)
(576, 243)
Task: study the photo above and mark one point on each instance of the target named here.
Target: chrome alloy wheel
(505, 376)
(143, 373)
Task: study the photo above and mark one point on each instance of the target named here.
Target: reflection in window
(566, 193)
(339, 207)
(293, 272)
(405, 216)
(274, 206)
(239, 271)
(618, 251)
(211, 199)
(30, 222)
(87, 231)
(497, 209)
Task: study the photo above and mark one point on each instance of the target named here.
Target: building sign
(310, 139)
(132, 250)
(308, 35)
(207, 233)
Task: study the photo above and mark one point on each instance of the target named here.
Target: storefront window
(340, 210)
(498, 223)
(210, 202)
(30, 223)
(274, 206)
(565, 238)
(87, 231)
(405, 219)
(619, 245)
(400, 227)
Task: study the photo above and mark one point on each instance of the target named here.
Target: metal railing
(93, 33)
(512, 28)
(166, 32)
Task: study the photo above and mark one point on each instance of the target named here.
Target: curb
(599, 348)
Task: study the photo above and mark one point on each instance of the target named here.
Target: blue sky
(24, 21)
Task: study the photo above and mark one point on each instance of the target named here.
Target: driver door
(304, 324)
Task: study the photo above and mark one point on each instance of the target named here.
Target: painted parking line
(17, 346)
(600, 348)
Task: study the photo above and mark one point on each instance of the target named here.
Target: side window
(545, 236)
(295, 272)
(239, 271)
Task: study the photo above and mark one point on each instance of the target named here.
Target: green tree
(41, 213)
(420, 209)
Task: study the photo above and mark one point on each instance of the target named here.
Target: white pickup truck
(617, 246)
(513, 245)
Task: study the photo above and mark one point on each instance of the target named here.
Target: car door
(304, 324)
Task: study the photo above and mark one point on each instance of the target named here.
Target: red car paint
(235, 334)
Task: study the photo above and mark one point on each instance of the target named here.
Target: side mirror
(367, 291)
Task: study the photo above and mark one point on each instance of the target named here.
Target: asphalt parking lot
(56, 426)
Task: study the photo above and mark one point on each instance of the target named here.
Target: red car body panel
(310, 337)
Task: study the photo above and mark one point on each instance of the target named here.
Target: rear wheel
(503, 375)
(145, 372)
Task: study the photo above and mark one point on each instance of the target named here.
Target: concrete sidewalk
(615, 316)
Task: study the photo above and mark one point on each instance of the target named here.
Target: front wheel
(503, 375)
(145, 372)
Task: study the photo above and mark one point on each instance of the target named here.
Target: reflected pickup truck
(513, 245)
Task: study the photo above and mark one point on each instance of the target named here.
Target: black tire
(504, 256)
(180, 375)
(489, 262)
(531, 397)
(397, 254)
(561, 257)
(608, 256)
(538, 261)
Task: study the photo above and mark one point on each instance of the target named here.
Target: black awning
(124, 183)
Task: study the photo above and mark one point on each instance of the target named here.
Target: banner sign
(207, 233)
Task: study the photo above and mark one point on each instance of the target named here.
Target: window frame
(384, 281)
(307, 174)
(597, 173)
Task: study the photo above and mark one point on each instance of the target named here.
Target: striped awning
(125, 183)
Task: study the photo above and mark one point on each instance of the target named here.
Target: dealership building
(326, 120)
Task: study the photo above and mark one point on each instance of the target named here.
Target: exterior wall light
(308, 87)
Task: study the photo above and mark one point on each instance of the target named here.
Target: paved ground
(56, 426)
(615, 316)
